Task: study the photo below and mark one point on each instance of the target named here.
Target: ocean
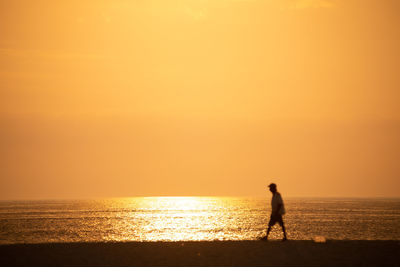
(195, 219)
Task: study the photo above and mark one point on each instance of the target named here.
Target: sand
(219, 253)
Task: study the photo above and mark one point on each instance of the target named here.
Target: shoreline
(204, 253)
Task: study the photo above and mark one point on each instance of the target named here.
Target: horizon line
(193, 196)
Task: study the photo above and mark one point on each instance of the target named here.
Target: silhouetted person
(278, 209)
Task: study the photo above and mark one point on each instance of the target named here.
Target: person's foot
(265, 238)
(284, 239)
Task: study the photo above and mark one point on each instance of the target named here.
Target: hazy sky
(199, 97)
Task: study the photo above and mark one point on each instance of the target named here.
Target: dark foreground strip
(218, 253)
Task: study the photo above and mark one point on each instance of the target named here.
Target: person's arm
(277, 212)
(280, 204)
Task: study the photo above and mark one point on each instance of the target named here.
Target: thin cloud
(32, 53)
(196, 13)
(303, 4)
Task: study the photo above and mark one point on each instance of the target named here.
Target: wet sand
(218, 253)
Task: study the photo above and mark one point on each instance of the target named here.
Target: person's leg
(270, 224)
(284, 231)
(283, 228)
(268, 230)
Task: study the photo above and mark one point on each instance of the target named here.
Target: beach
(217, 253)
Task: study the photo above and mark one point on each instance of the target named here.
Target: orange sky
(199, 97)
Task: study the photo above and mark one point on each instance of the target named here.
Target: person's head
(272, 187)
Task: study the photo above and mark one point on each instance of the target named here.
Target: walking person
(278, 209)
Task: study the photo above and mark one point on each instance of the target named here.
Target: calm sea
(195, 218)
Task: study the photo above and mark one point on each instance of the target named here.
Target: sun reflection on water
(179, 219)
